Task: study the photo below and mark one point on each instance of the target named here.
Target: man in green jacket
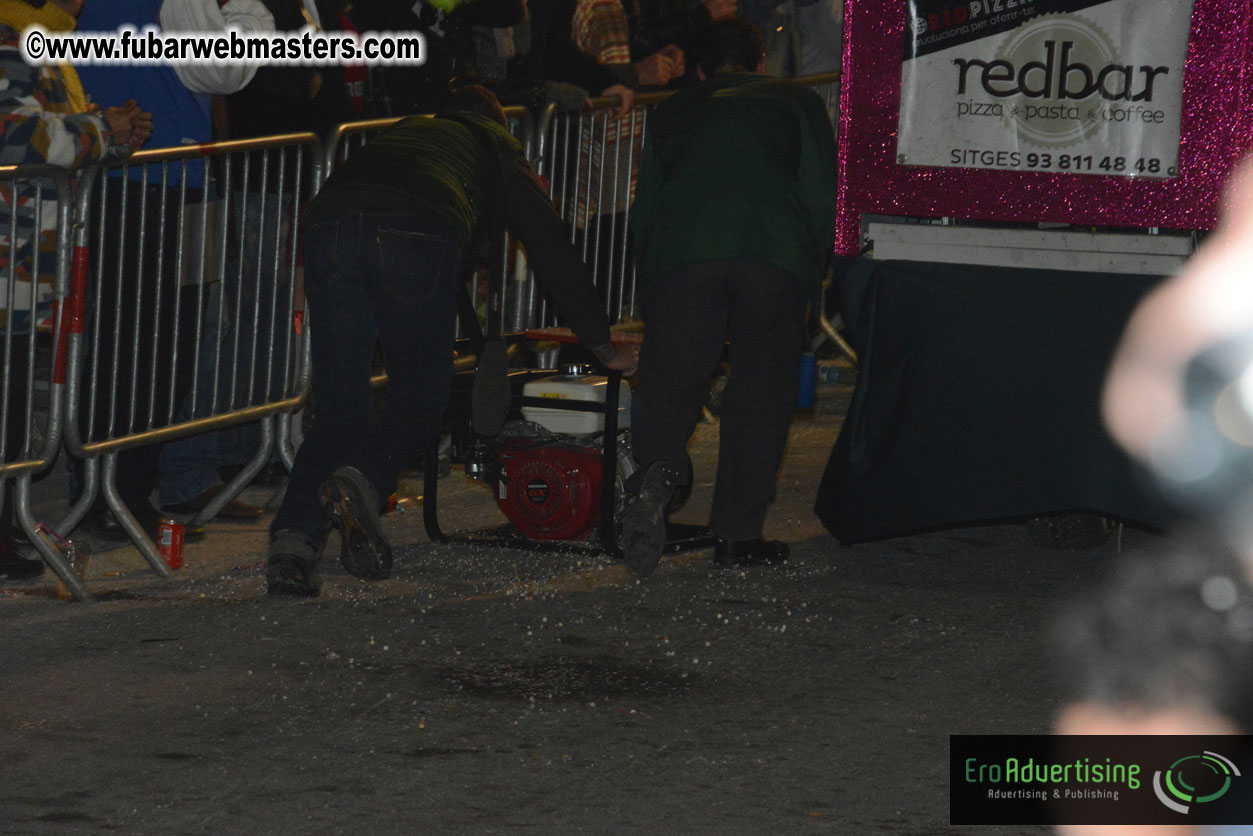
(734, 218)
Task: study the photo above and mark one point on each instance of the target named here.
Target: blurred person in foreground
(1207, 304)
(46, 119)
(387, 238)
(1164, 646)
(733, 218)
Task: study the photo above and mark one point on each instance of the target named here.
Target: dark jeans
(390, 277)
(688, 317)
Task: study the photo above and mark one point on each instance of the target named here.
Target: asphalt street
(486, 690)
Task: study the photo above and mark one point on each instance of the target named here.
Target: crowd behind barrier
(192, 331)
(178, 301)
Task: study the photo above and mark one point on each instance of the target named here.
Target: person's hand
(141, 130)
(121, 120)
(719, 9)
(656, 70)
(626, 357)
(625, 96)
(679, 68)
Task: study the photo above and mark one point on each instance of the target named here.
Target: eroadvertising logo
(1194, 779)
(1074, 86)
(1095, 779)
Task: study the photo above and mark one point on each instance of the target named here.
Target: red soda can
(170, 543)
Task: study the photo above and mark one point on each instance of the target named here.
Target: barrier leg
(837, 338)
(286, 441)
(87, 498)
(244, 477)
(51, 555)
(108, 485)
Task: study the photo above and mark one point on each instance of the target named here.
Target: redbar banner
(1060, 86)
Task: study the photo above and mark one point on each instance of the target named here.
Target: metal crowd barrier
(350, 136)
(38, 206)
(591, 163)
(828, 86)
(176, 298)
(183, 297)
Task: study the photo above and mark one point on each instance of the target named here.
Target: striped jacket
(39, 127)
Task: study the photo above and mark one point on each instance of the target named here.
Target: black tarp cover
(978, 399)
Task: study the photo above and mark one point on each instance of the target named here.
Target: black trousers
(689, 316)
(384, 278)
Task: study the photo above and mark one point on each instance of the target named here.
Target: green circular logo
(1194, 779)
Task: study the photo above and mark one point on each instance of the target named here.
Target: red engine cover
(550, 491)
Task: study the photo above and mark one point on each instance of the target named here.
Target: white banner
(1073, 86)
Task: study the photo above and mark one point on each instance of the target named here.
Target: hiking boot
(739, 554)
(644, 520)
(353, 505)
(291, 568)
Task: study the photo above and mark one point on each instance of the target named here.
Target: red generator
(550, 463)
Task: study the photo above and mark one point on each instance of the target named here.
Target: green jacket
(740, 166)
(467, 172)
(441, 166)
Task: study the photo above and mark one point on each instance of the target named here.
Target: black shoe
(737, 554)
(14, 566)
(292, 566)
(353, 504)
(644, 520)
(101, 524)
